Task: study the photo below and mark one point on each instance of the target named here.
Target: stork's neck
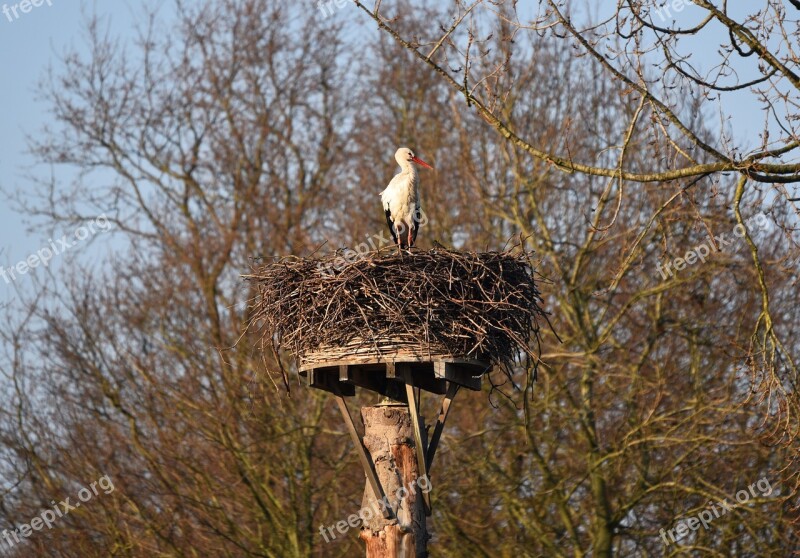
(408, 168)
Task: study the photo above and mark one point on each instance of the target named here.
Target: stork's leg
(409, 239)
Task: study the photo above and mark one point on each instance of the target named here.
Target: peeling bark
(389, 438)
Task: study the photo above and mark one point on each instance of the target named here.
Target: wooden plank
(388, 349)
(366, 462)
(418, 441)
(458, 373)
(452, 390)
(421, 372)
(372, 377)
(424, 378)
(369, 355)
(378, 377)
(398, 370)
(327, 379)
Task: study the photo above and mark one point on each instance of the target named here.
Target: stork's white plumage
(401, 199)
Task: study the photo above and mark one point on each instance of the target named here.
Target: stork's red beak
(419, 161)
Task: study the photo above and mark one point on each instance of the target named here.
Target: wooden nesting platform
(400, 371)
(384, 370)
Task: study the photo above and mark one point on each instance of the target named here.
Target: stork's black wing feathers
(391, 224)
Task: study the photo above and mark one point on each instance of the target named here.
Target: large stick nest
(465, 304)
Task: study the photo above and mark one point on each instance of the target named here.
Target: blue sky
(29, 44)
(34, 40)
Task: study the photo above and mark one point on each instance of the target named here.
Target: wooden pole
(389, 438)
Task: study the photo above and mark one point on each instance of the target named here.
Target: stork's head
(404, 156)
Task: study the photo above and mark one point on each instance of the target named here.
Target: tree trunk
(389, 438)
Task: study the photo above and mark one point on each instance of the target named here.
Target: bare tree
(642, 357)
(221, 137)
(257, 128)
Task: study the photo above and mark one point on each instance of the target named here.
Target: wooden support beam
(418, 441)
(424, 379)
(397, 370)
(366, 462)
(380, 377)
(452, 390)
(422, 373)
(327, 379)
(360, 376)
(465, 376)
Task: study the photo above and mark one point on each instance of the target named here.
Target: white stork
(401, 199)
